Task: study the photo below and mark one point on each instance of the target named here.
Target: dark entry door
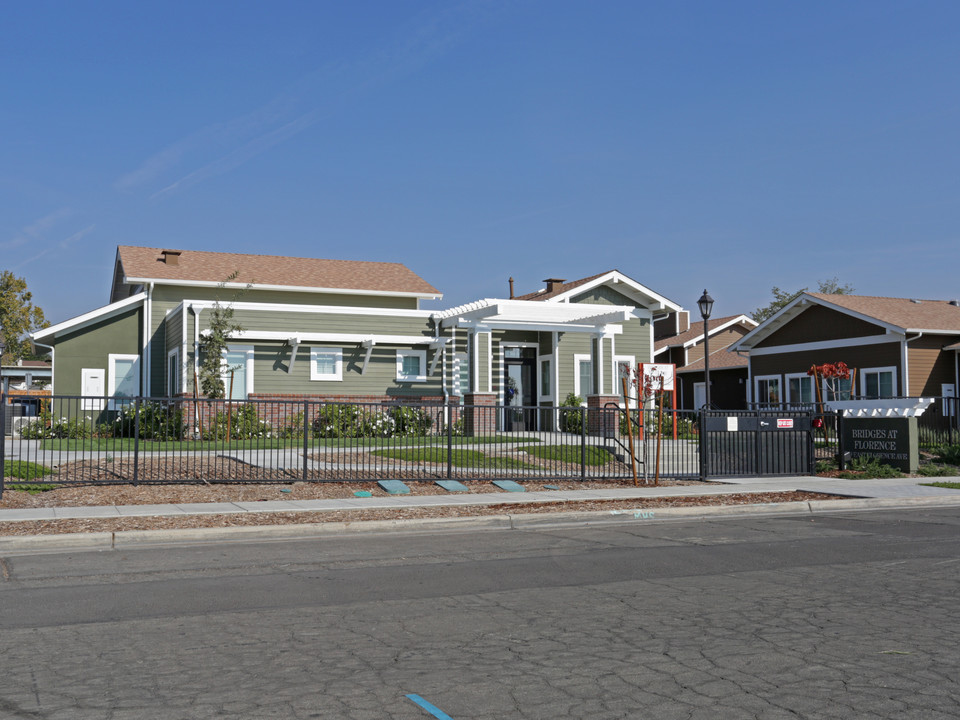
(520, 383)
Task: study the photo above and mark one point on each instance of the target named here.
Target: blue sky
(727, 145)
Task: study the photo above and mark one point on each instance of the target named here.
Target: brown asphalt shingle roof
(695, 331)
(215, 267)
(719, 360)
(559, 289)
(901, 312)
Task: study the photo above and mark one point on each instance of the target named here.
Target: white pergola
(493, 314)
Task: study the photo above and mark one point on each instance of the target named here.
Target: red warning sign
(785, 423)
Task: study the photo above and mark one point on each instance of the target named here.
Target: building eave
(94, 316)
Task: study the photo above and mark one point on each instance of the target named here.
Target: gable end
(818, 323)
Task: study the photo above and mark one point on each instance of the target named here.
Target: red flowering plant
(832, 374)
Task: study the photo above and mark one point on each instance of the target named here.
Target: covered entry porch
(527, 357)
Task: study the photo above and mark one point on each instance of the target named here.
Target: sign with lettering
(890, 440)
(785, 423)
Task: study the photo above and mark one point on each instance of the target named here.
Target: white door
(699, 395)
(93, 383)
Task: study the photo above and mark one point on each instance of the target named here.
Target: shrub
(410, 421)
(375, 423)
(864, 467)
(571, 414)
(949, 454)
(157, 421)
(245, 424)
(293, 428)
(933, 470)
(71, 429)
(335, 421)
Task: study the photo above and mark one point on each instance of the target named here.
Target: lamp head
(705, 303)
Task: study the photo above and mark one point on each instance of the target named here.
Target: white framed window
(878, 382)
(173, 372)
(545, 366)
(124, 375)
(411, 365)
(624, 367)
(767, 389)
(837, 389)
(800, 389)
(461, 374)
(238, 359)
(582, 375)
(326, 363)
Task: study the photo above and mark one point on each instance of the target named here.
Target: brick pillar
(602, 420)
(479, 413)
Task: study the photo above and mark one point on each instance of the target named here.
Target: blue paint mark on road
(433, 710)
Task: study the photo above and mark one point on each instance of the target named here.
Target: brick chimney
(553, 283)
(171, 257)
(511, 288)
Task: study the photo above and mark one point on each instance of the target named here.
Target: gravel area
(56, 527)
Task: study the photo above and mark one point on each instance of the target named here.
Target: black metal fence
(739, 443)
(938, 425)
(81, 440)
(84, 440)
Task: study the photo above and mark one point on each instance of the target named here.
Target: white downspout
(196, 344)
(145, 350)
(905, 390)
(183, 348)
(443, 361)
(53, 364)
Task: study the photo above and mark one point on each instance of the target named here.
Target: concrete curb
(518, 521)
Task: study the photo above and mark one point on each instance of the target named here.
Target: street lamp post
(3, 381)
(705, 303)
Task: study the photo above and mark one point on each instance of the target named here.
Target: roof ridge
(263, 255)
(873, 297)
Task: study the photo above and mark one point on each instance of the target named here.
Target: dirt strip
(57, 527)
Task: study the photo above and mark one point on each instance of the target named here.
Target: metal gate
(760, 443)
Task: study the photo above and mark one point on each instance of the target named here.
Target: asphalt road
(835, 616)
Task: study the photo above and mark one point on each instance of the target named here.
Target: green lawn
(22, 470)
(146, 446)
(461, 457)
(569, 454)
(948, 485)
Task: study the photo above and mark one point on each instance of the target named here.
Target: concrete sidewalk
(886, 489)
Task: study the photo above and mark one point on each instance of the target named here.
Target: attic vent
(915, 302)
(553, 283)
(171, 257)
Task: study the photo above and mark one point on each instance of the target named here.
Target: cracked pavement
(846, 615)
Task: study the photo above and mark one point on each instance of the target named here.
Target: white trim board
(826, 345)
(324, 309)
(280, 288)
(91, 317)
(659, 302)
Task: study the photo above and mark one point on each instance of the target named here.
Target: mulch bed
(212, 468)
(201, 492)
(56, 527)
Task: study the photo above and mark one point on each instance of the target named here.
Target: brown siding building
(898, 347)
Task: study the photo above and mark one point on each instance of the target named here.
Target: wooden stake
(633, 456)
(656, 470)
(196, 404)
(229, 399)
